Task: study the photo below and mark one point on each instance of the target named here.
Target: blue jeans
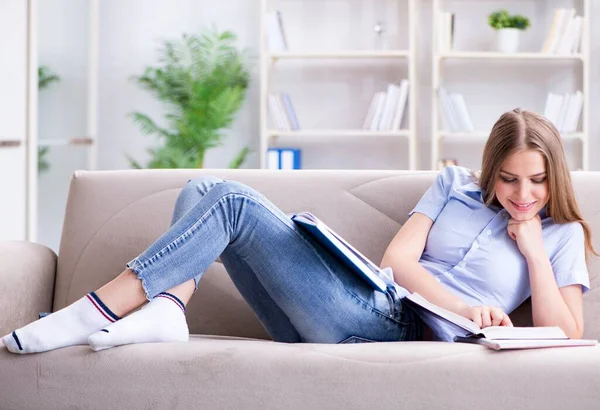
(299, 291)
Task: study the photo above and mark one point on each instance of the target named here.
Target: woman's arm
(403, 254)
(551, 305)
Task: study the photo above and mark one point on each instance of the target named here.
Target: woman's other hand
(485, 316)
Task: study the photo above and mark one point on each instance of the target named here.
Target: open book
(345, 252)
(460, 329)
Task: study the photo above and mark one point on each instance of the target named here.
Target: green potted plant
(202, 79)
(508, 29)
(45, 78)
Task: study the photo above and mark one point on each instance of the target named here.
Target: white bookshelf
(269, 64)
(580, 63)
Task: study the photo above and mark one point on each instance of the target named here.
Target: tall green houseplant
(202, 79)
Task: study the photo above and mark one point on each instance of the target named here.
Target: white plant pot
(507, 40)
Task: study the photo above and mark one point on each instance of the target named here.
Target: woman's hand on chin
(528, 235)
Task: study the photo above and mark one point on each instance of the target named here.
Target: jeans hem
(135, 267)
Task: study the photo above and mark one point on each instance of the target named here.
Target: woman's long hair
(520, 130)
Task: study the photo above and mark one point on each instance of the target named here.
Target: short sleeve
(436, 197)
(568, 261)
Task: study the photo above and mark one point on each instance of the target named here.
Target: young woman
(477, 245)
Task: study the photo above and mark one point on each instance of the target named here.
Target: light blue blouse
(469, 252)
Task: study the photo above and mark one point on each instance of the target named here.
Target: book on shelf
(564, 110)
(455, 112)
(290, 112)
(386, 110)
(453, 327)
(401, 106)
(372, 107)
(565, 33)
(281, 112)
(445, 33)
(377, 114)
(284, 158)
(275, 35)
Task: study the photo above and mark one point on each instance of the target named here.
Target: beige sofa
(229, 363)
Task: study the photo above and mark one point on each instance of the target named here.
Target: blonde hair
(520, 130)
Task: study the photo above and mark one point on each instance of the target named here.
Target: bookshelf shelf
(444, 104)
(482, 136)
(483, 55)
(65, 142)
(341, 54)
(273, 50)
(338, 133)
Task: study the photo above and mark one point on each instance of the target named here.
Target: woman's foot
(162, 320)
(69, 326)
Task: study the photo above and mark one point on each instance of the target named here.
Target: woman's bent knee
(199, 185)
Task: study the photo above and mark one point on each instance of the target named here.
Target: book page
(529, 333)
(451, 317)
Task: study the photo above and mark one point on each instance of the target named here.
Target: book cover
(526, 344)
(550, 37)
(381, 97)
(291, 113)
(401, 106)
(370, 112)
(341, 249)
(273, 33)
(389, 107)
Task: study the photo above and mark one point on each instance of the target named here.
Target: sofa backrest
(112, 216)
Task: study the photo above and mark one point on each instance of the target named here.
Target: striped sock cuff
(173, 298)
(102, 308)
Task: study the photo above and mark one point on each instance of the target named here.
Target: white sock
(160, 321)
(69, 326)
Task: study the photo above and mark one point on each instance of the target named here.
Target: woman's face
(522, 187)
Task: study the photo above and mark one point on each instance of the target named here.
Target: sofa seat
(238, 373)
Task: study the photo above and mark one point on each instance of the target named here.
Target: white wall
(326, 94)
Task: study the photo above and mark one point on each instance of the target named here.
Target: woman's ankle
(123, 294)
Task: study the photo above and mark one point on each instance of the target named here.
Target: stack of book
(565, 34)
(455, 113)
(275, 36)
(445, 33)
(283, 158)
(564, 110)
(386, 111)
(281, 112)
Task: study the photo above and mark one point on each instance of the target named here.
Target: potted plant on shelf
(508, 29)
(203, 80)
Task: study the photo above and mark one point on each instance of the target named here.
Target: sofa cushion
(229, 373)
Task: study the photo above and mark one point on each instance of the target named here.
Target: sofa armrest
(27, 272)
